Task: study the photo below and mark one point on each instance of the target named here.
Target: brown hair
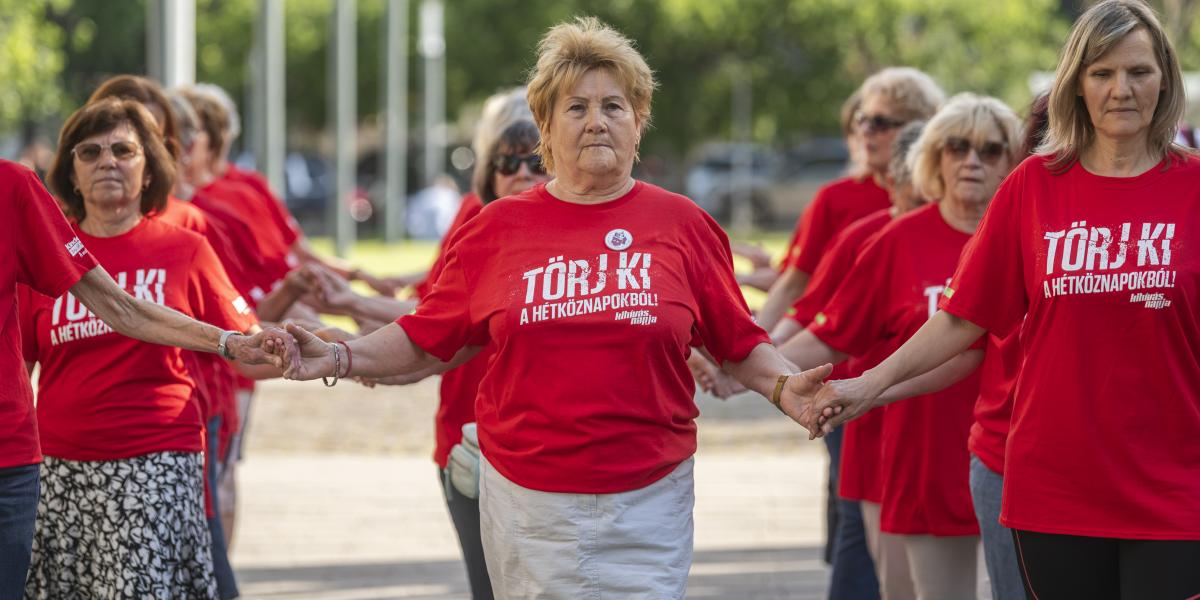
(570, 50)
(1101, 28)
(1034, 129)
(214, 118)
(101, 117)
(519, 135)
(149, 94)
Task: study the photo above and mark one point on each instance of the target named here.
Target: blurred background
(745, 121)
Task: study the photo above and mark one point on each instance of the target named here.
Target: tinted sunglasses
(989, 152)
(90, 152)
(876, 123)
(507, 164)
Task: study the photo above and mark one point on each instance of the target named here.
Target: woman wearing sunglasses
(122, 507)
(963, 154)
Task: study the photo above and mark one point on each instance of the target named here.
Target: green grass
(378, 258)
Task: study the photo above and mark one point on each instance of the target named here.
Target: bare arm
(436, 368)
(808, 351)
(385, 352)
(149, 322)
(783, 294)
(761, 371)
(941, 377)
(785, 330)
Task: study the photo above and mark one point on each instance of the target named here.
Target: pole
(343, 81)
(395, 138)
(433, 49)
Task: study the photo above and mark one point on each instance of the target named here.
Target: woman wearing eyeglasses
(122, 508)
(963, 154)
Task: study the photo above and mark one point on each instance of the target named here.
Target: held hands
(307, 357)
(819, 406)
(270, 346)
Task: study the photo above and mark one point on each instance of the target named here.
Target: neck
(962, 216)
(1113, 157)
(219, 167)
(105, 222)
(588, 190)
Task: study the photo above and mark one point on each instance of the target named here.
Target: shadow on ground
(791, 573)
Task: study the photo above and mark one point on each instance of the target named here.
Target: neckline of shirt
(1151, 175)
(92, 239)
(608, 205)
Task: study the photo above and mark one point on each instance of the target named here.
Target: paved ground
(340, 501)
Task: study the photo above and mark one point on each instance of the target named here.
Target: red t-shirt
(186, 215)
(460, 385)
(858, 475)
(1106, 414)
(467, 209)
(592, 309)
(281, 217)
(892, 290)
(835, 206)
(265, 262)
(39, 250)
(103, 396)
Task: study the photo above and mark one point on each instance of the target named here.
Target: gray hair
(968, 116)
(913, 94)
(219, 94)
(898, 169)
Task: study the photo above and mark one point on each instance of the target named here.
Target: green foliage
(31, 60)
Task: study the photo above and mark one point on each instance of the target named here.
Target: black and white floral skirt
(131, 528)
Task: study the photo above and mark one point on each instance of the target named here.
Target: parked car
(777, 184)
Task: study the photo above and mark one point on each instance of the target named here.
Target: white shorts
(635, 544)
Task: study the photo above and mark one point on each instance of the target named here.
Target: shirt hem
(1099, 533)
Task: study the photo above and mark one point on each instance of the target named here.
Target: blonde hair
(1098, 30)
(912, 93)
(571, 49)
(499, 111)
(968, 116)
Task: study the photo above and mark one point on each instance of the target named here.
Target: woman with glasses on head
(1086, 249)
(122, 508)
(963, 154)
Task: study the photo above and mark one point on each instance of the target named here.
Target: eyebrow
(604, 99)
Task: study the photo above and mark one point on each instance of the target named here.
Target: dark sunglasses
(989, 152)
(90, 152)
(507, 164)
(876, 123)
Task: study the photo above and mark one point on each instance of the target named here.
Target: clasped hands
(820, 406)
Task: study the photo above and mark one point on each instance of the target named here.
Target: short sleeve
(814, 235)
(856, 316)
(724, 323)
(50, 257)
(212, 297)
(826, 279)
(988, 288)
(443, 322)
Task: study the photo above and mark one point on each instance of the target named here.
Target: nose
(972, 158)
(523, 171)
(595, 122)
(1124, 86)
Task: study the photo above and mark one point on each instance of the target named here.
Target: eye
(1100, 74)
(613, 106)
(575, 106)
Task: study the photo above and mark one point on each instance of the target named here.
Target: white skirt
(635, 544)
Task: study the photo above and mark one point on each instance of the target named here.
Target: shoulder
(167, 234)
(10, 170)
(14, 177)
(914, 222)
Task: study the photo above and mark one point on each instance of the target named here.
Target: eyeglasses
(507, 164)
(989, 152)
(876, 123)
(90, 152)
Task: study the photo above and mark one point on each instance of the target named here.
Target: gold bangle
(779, 391)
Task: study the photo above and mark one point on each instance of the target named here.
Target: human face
(108, 183)
(877, 124)
(971, 169)
(594, 132)
(1121, 89)
(519, 181)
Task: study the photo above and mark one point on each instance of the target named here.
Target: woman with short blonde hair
(1088, 249)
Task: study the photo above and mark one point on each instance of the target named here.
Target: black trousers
(1057, 567)
(464, 512)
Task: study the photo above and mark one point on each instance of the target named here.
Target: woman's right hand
(314, 359)
(843, 400)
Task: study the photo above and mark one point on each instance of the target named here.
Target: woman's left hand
(271, 346)
(797, 399)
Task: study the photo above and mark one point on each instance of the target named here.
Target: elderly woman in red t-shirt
(1087, 245)
(122, 510)
(963, 154)
(593, 287)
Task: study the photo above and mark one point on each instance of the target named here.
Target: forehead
(595, 83)
(121, 133)
(877, 104)
(1136, 47)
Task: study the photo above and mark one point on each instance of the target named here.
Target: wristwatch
(222, 345)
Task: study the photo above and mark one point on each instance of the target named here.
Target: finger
(818, 374)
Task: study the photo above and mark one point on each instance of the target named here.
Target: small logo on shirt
(75, 247)
(240, 305)
(618, 240)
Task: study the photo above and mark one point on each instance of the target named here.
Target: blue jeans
(833, 444)
(987, 486)
(227, 587)
(853, 574)
(19, 490)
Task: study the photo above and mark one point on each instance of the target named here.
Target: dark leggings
(1068, 566)
(465, 513)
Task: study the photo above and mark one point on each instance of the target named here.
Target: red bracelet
(349, 357)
